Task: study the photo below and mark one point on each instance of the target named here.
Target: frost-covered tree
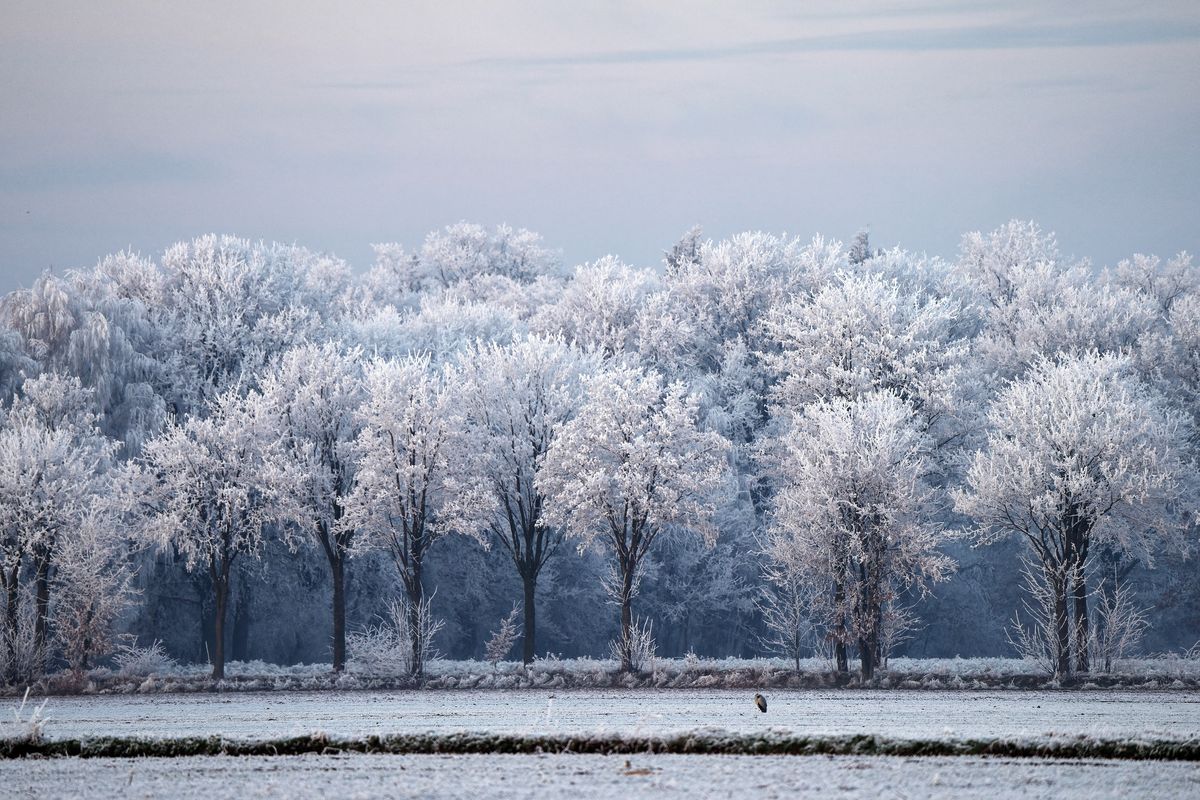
(1165, 283)
(704, 326)
(860, 334)
(1171, 359)
(685, 251)
(518, 397)
(457, 253)
(230, 304)
(1079, 454)
(464, 251)
(53, 466)
(1035, 304)
(212, 488)
(860, 248)
(83, 326)
(415, 461)
(93, 588)
(317, 392)
(630, 467)
(788, 609)
(852, 517)
(503, 638)
(600, 306)
(440, 327)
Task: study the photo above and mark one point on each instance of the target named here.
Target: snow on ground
(1108, 714)
(1166, 671)
(542, 777)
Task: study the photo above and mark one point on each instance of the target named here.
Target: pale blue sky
(607, 127)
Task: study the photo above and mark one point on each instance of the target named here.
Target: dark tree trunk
(42, 603)
(1078, 528)
(221, 587)
(866, 652)
(529, 632)
(339, 612)
(839, 646)
(868, 644)
(626, 617)
(1062, 628)
(1079, 590)
(415, 629)
(12, 617)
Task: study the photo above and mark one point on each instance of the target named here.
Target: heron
(761, 702)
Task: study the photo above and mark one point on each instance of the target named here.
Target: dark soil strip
(706, 743)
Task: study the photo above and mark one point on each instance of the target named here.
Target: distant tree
(630, 467)
(705, 326)
(93, 588)
(81, 326)
(860, 248)
(503, 638)
(852, 512)
(787, 606)
(518, 397)
(860, 334)
(317, 392)
(415, 460)
(210, 488)
(465, 251)
(53, 466)
(1033, 304)
(684, 252)
(1079, 454)
(1165, 283)
(230, 305)
(599, 308)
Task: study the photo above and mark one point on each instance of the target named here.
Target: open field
(532, 776)
(470, 743)
(1164, 715)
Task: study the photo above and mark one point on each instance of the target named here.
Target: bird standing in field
(761, 702)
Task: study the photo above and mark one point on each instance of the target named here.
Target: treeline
(764, 445)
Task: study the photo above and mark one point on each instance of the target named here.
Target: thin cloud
(973, 37)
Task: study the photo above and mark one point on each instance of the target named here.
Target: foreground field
(1159, 715)
(598, 743)
(545, 776)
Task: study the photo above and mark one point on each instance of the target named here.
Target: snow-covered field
(897, 714)
(577, 776)
(1161, 672)
(947, 715)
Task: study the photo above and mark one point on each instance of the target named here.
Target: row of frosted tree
(763, 444)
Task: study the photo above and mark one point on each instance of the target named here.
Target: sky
(607, 127)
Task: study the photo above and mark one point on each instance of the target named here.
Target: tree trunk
(1079, 590)
(12, 618)
(338, 566)
(529, 632)
(627, 618)
(866, 654)
(839, 646)
(221, 586)
(1077, 553)
(415, 629)
(1062, 628)
(42, 605)
(868, 645)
